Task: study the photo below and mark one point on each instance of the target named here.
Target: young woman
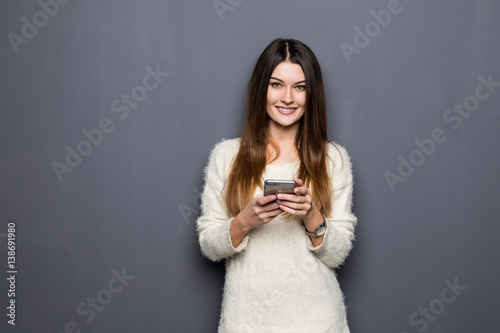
(280, 250)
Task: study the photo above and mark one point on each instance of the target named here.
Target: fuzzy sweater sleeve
(214, 222)
(337, 242)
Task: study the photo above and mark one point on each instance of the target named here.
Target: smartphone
(274, 186)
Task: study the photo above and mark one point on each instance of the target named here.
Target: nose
(287, 96)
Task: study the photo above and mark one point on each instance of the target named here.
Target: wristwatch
(320, 229)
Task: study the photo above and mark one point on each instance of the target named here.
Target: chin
(286, 123)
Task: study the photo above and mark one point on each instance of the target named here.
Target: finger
(301, 190)
(295, 206)
(288, 209)
(268, 216)
(298, 181)
(265, 200)
(291, 198)
(269, 207)
(292, 211)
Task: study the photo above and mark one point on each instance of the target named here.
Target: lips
(285, 110)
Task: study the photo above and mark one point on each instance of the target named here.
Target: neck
(284, 136)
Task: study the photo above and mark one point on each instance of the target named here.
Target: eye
(275, 84)
(301, 87)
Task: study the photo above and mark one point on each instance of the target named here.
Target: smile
(286, 110)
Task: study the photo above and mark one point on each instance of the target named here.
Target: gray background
(132, 202)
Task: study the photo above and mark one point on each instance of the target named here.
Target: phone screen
(274, 186)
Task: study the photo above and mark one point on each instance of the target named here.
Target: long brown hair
(311, 139)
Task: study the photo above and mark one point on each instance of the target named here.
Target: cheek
(301, 99)
(272, 97)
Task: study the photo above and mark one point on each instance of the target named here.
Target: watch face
(321, 230)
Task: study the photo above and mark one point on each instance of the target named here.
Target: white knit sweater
(276, 280)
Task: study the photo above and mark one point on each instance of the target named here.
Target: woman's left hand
(300, 204)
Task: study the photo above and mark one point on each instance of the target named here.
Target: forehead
(288, 72)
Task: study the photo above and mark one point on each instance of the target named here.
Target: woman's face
(286, 94)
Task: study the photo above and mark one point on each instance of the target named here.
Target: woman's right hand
(259, 211)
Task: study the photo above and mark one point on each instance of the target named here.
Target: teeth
(285, 109)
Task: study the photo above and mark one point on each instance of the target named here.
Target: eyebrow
(272, 77)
